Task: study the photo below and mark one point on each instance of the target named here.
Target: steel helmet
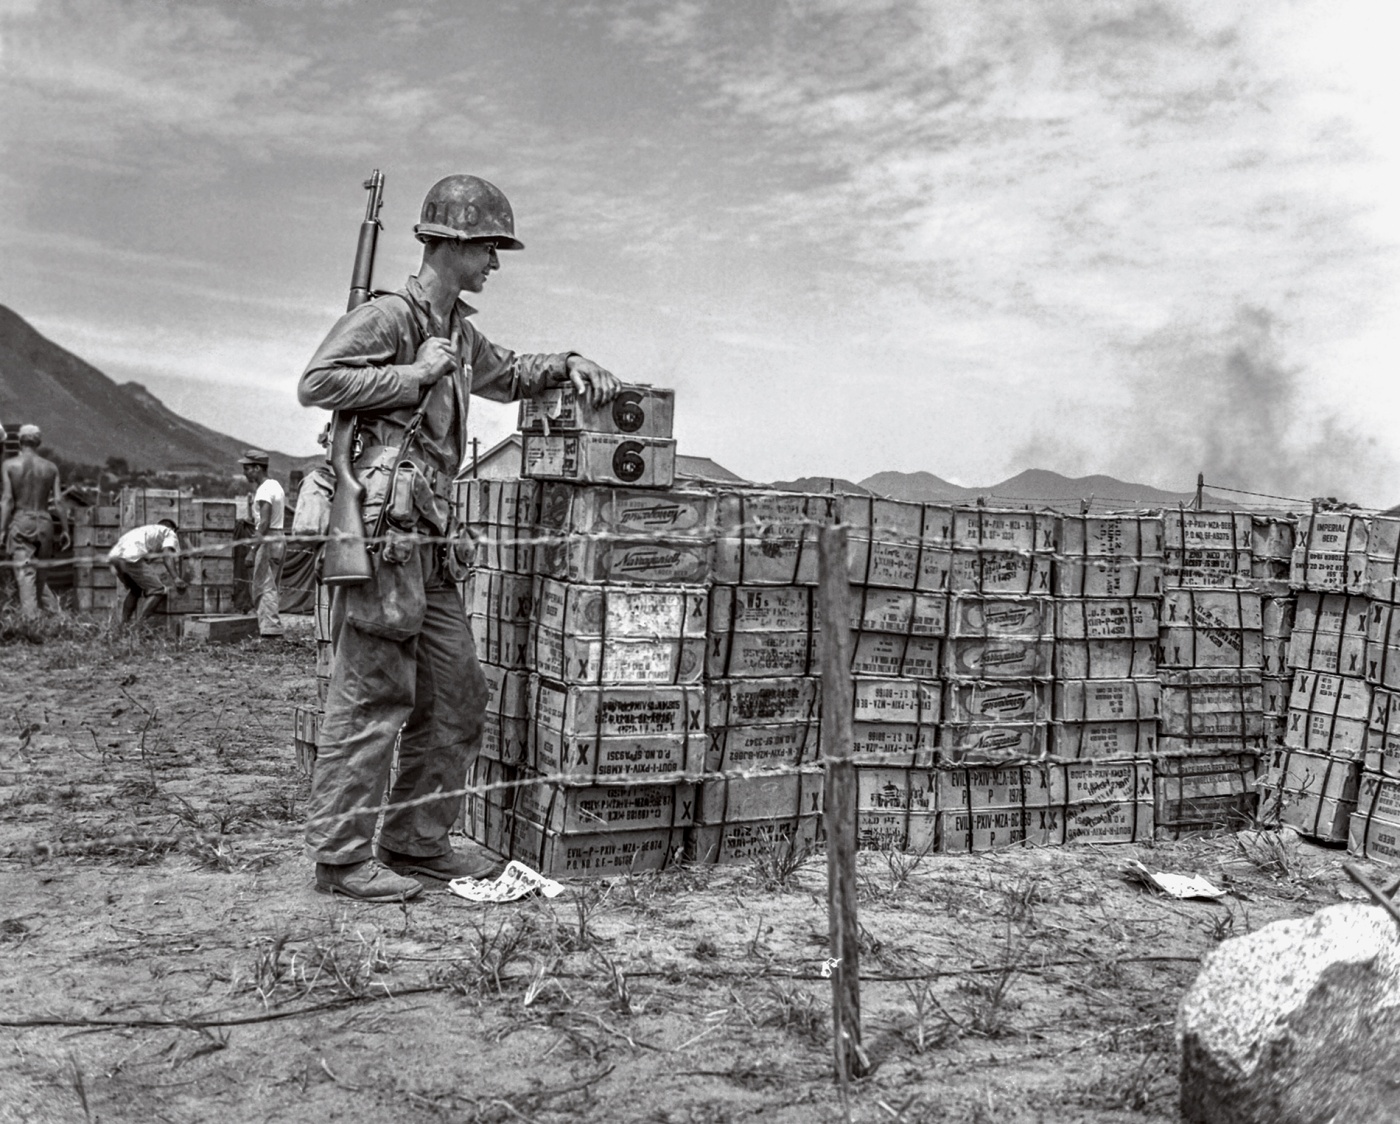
(467, 208)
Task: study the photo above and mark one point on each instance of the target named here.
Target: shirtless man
(30, 492)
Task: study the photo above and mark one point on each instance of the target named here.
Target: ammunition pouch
(411, 495)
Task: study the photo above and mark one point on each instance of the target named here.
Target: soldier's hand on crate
(592, 382)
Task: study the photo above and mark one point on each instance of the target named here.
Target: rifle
(346, 560)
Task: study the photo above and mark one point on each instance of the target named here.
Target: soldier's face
(477, 260)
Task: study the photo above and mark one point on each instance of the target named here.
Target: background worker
(144, 560)
(404, 656)
(269, 541)
(30, 491)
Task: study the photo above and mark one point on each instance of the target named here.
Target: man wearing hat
(30, 492)
(404, 657)
(269, 543)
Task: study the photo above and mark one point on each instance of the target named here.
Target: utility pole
(476, 442)
(1200, 490)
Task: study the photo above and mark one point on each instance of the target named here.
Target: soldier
(30, 492)
(144, 560)
(270, 542)
(404, 656)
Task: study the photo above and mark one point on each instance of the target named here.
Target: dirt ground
(163, 955)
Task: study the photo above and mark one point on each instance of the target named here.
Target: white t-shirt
(154, 538)
(271, 493)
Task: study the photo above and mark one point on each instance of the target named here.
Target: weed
(1136, 1090)
(795, 1010)
(345, 966)
(706, 950)
(496, 947)
(927, 1026)
(778, 861)
(1020, 900)
(620, 992)
(1274, 853)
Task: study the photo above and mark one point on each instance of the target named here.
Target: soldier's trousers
(267, 572)
(30, 538)
(432, 687)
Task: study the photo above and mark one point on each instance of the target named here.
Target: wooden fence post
(839, 798)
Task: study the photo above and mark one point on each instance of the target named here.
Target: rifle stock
(346, 560)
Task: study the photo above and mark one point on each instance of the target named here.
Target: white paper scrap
(1176, 885)
(515, 882)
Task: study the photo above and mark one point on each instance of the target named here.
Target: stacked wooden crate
(1226, 614)
(1312, 779)
(1374, 831)
(95, 532)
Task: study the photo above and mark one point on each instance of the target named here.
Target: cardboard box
(763, 609)
(506, 644)
(988, 743)
(990, 829)
(639, 410)
(874, 517)
(1334, 531)
(1042, 785)
(1383, 745)
(614, 660)
(601, 855)
(878, 700)
(775, 796)
(1329, 634)
(734, 748)
(1225, 702)
(1198, 794)
(611, 732)
(505, 736)
(1328, 571)
(1105, 659)
(884, 789)
(599, 458)
(1188, 529)
(612, 612)
(988, 571)
(1103, 741)
(501, 596)
(737, 842)
(1134, 536)
(903, 612)
(1107, 700)
(1208, 569)
(992, 617)
(624, 560)
(1374, 831)
(1108, 576)
(763, 655)
(1314, 794)
(1188, 647)
(1024, 700)
(1000, 658)
(904, 744)
(897, 565)
(980, 528)
(752, 702)
(572, 810)
(896, 830)
(887, 656)
(1116, 618)
(511, 503)
(769, 538)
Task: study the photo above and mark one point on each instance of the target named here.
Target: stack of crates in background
(1375, 825)
(95, 532)
(762, 667)
(1312, 779)
(1225, 619)
(206, 532)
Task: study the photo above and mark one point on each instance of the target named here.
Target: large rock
(1298, 1023)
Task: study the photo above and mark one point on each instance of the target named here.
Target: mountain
(820, 484)
(87, 417)
(1037, 487)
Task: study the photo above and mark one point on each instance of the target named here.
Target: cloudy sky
(962, 236)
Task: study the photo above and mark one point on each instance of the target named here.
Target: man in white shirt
(138, 559)
(270, 542)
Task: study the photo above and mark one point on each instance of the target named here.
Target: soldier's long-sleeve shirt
(365, 365)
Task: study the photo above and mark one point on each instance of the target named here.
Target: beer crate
(599, 458)
(990, 743)
(505, 643)
(1207, 548)
(501, 515)
(1026, 700)
(877, 700)
(607, 612)
(1041, 785)
(993, 617)
(898, 611)
(1207, 628)
(1383, 744)
(909, 744)
(1329, 714)
(1127, 536)
(1313, 794)
(1383, 560)
(885, 655)
(998, 658)
(499, 595)
(1325, 571)
(486, 813)
(874, 517)
(982, 528)
(992, 572)
(1374, 830)
(638, 410)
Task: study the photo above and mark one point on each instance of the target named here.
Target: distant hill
(820, 484)
(87, 417)
(1039, 488)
